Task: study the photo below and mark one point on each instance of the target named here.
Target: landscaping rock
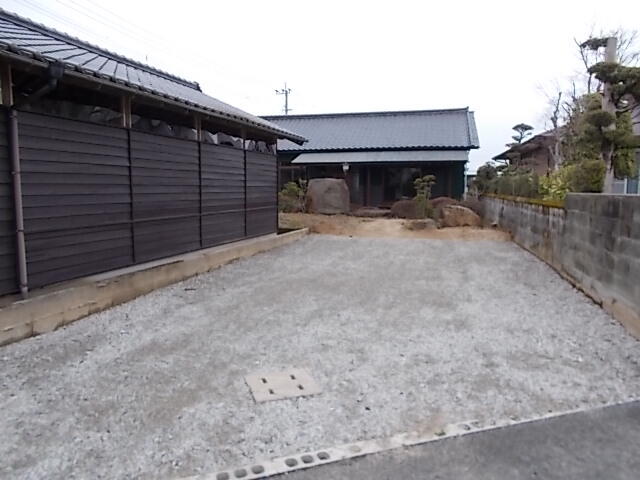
(328, 196)
(443, 202)
(404, 209)
(458, 216)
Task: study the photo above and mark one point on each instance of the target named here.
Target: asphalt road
(592, 445)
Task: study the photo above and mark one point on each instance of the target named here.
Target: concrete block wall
(537, 228)
(594, 242)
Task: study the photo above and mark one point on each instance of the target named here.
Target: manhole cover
(295, 382)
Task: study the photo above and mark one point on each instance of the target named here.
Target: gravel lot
(400, 334)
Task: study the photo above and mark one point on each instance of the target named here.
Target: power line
(286, 92)
(169, 52)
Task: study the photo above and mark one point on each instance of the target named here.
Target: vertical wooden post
(368, 193)
(275, 149)
(197, 125)
(125, 109)
(6, 84)
(244, 155)
(125, 122)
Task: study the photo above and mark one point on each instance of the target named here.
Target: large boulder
(328, 196)
(459, 216)
(404, 209)
(441, 202)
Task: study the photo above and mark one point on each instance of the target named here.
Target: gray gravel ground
(399, 333)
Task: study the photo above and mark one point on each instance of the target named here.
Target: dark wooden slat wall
(166, 198)
(97, 198)
(76, 198)
(8, 275)
(262, 184)
(222, 194)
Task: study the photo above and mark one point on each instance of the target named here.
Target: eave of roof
(383, 156)
(226, 112)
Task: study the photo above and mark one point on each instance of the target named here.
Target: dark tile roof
(24, 38)
(541, 140)
(418, 129)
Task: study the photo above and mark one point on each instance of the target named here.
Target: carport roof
(23, 39)
(417, 129)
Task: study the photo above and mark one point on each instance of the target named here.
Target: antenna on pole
(285, 91)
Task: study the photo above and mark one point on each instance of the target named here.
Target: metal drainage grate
(295, 382)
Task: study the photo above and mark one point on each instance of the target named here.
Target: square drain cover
(295, 382)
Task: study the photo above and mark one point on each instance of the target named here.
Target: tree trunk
(608, 180)
(609, 106)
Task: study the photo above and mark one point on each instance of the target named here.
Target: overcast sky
(346, 56)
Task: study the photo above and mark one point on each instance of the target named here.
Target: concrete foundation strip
(290, 463)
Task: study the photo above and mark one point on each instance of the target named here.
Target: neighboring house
(534, 153)
(631, 185)
(380, 154)
(111, 163)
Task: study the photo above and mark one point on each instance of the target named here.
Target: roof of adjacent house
(416, 129)
(24, 39)
(531, 144)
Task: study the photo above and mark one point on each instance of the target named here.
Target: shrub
(517, 182)
(585, 176)
(556, 185)
(485, 177)
(588, 176)
(291, 198)
(423, 186)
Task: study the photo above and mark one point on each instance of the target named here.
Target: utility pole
(285, 91)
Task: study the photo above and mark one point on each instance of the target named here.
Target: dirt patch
(382, 227)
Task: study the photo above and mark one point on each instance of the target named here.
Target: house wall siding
(262, 181)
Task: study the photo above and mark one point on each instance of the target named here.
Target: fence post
(125, 107)
(275, 151)
(244, 154)
(197, 125)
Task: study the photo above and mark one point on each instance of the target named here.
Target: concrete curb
(55, 306)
